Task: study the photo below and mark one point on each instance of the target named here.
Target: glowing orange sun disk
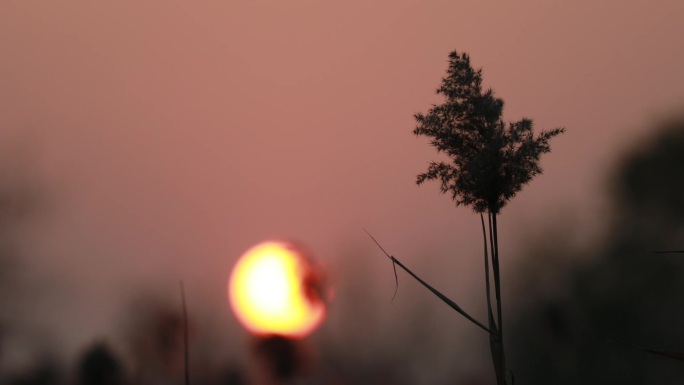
(268, 292)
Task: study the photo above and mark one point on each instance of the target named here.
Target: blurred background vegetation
(583, 306)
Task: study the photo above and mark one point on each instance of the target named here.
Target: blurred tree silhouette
(651, 185)
(155, 341)
(626, 294)
(21, 198)
(99, 366)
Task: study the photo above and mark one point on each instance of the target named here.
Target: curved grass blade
(434, 291)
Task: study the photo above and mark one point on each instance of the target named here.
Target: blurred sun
(273, 289)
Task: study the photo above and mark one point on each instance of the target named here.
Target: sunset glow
(273, 290)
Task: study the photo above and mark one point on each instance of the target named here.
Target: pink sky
(170, 136)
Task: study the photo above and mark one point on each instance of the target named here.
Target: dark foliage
(617, 319)
(99, 366)
(651, 181)
(280, 355)
(491, 159)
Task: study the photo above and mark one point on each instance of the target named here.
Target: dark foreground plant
(186, 347)
(489, 162)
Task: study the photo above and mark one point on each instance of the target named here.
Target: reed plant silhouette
(490, 161)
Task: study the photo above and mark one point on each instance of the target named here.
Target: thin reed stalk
(186, 350)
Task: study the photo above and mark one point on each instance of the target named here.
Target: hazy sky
(170, 136)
